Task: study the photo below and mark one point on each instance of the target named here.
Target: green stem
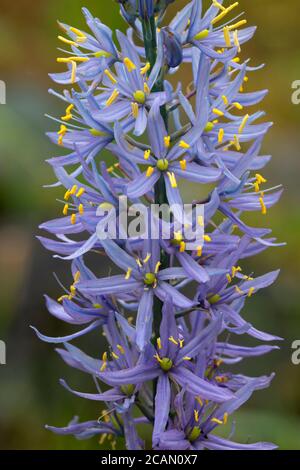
(149, 33)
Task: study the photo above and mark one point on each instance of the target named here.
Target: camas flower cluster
(171, 317)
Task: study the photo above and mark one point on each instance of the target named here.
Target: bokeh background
(30, 395)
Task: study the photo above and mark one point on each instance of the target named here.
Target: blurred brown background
(29, 392)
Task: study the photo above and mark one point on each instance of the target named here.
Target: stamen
(224, 13)
(196, 415)
(184, 144)
(221, 136)
(145, 69)
(218, 112)
(263, 206)
(183, 164)
(115, 356)
(128, 274)
(216, 420)
(172, 340)
(149, 171)
(112, 98)
(227, 36)
(237, 25)
(207, 238)
(201, 35)
(236, 40)
(243, 124)
(65, 210)
(135, 110)
(147, 154)
(110, 76)
(129, 64)
(172, 179)
(67, 41)
(158, 342)
(73, 219)
(81, 209)
(225, 99)
(251, 291)
(167, 141)
(80, 192)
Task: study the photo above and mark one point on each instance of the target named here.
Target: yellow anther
(63, 297)
(181, 343)
(139, 263)
(67, 195)
(135, 110)
(73, 72)
(251, 291)
(246, 79)
(263, 206)
(225, 100)
(77, 276)
(237, 105)
(184, 144)
(227, 36)
(238, 290)
(97, 133)
(112, 98)
(224, 13)
(115, 356)
(183, 164)
(129, 64)
(237, 25)
(68, 116)
(196, 415)
(146, 89)
(199, 251)
(73, 290)
(236, 143)
(128, 274)
(97, 306)
(65, 209)
(81, 209)
(201, 35)
(61, 133)
(157, 267)
(74, 190)
(148, 257)
(218, 5)
(225, 418)
(147, 154)
(215, 121)
(149, 171)
(77, 32)
(110, 76)
(236, 60)
(67, 41)
(216, 420)
(101, 53)
(243, 123)
(229, 278)
(207, 238)
(173, 340)
(235, 270)
(80, 192)
(182, 247)
(146, 68)
(167, 141)
(172, 179)
(220, 136)
(260, 179)
(73, 219)
(218, 112)
(121, 349)
(187, 358)
(198, 399)
(236, 40)
(104, 360)
(158, 342)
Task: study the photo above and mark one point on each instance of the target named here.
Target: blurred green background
(30, 395)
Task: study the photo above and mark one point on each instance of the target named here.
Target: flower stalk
(166, 357)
